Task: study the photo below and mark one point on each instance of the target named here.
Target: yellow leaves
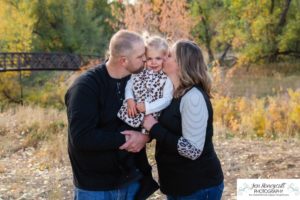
(157, 5)
(294, 95)
(294, 112)
(242, 105)
(259, 123)
(237, 4)
(16, 26)
(258, 27)
(269, 117)
(220, 104)
(9, 87)
(295, 115)
(243, 60)
(277, 120)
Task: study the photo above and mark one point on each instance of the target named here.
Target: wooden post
(20, 79)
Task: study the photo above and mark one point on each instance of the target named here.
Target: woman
(188, 166)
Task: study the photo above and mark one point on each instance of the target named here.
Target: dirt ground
(26, 173)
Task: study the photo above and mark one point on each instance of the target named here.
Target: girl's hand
(141, 107)
(149, 121)
(131, 108)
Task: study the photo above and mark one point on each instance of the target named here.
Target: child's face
(155, 59)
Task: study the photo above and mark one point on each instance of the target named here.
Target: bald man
(95, 133)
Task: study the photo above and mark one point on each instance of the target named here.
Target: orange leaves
(170, 18)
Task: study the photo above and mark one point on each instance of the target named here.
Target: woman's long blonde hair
(193, 70)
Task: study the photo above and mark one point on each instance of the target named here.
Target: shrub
(267, 117)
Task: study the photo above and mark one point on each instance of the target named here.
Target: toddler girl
(149, 91)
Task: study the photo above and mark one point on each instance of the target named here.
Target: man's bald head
(122, 43)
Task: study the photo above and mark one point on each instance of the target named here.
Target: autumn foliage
(168, 18)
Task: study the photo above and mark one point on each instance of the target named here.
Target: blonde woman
(187, 163)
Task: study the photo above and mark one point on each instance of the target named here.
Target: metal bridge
(24, 61)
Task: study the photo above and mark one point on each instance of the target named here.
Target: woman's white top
(194, 115)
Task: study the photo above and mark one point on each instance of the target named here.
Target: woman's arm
(161, 134)
(194, 116)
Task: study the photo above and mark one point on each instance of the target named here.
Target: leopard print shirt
(186, 149)
(147, 87)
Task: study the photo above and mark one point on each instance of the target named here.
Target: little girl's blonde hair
(157, 43)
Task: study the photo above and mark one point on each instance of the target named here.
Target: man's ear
(123, 60)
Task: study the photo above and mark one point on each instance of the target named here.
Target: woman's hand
(149, 121)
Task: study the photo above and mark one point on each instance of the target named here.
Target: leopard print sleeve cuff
(186, 149)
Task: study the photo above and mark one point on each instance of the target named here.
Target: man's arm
(83, 117)
(136, 141)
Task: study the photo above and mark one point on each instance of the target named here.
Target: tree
(289, 40)
(164, 17)
(16, 27)
(76, 26)
(207, 15)
(261, 30)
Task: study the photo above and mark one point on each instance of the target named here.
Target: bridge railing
(41, 61)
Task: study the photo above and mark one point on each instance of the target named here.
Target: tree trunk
(283, 15)
(281, 24)
(208, 41)
(221, 59)
(272, 6)
(207, 36)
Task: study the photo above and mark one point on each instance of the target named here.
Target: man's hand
(141, 107)
(149, 121)
(136, 141)
(131, 108)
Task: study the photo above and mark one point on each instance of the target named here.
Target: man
(95, 137)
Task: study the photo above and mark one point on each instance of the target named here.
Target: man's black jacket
(94, 130)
